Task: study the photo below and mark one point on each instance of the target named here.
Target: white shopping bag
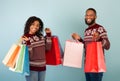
(73, 54)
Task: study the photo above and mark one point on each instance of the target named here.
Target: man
(94, 32)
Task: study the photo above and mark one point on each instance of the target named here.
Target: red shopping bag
(53, 57)
(73, 54)
(94, 60)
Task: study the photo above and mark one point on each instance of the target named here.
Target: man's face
(90, 17)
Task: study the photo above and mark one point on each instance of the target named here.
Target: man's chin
(89, 23)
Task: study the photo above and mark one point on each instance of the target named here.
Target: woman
(37, 45)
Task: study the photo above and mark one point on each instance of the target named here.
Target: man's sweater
(89, 32)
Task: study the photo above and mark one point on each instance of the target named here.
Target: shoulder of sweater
(94, 26)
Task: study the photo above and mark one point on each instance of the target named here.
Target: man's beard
(90, 23)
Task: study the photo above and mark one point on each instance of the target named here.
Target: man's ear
(95, 17)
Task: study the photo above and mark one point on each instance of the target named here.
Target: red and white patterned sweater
(88, 35)
(37, 47)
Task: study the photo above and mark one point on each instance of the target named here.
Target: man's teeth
(88, 20)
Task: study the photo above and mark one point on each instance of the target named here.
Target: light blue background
(63, 17)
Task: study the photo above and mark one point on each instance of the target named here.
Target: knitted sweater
(88, 35)
(37, 47)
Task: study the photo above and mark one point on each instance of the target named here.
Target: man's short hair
(92, 10)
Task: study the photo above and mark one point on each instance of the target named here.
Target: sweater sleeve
(48, 41)
(104, 38)
(81, 40)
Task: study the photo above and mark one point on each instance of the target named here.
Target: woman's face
(34, 27)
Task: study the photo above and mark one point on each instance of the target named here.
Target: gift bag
(22, 62)
(73, 54)
(94, 60)
(53, 56)
(11, 56)
(26, 65)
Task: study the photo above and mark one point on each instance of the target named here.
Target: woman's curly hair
(30, 21)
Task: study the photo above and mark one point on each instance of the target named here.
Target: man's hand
(76, 36)
(96, 36)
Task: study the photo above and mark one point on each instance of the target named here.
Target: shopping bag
(26, 65)
(11, 56)
(18, 65)
(22, 62)
(73, 54)
(53, 56)
(94, 60)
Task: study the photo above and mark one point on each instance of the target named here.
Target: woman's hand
(25, 38)
(47, 30)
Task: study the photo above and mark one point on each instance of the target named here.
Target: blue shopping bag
(26, 65)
